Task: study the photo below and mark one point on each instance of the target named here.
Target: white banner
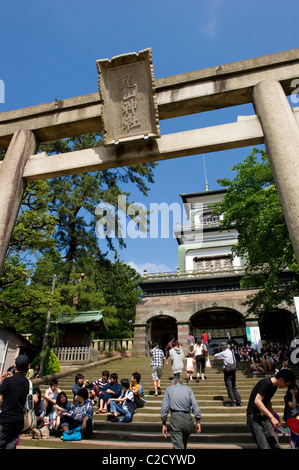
(254, 336)
(296, 301)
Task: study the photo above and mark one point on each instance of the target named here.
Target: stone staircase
(222, 427)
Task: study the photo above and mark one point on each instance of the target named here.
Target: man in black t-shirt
(13, 391)
(260, 415)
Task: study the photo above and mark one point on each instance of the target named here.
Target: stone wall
(181, 307)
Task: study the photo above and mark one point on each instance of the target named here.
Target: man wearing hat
(13, 392)
(229, 369)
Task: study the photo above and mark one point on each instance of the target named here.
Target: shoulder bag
(231, 366)
(72, 434)
(29, 415)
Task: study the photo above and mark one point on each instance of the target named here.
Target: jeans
(200, 363)
(9, 437)
(230, 383)
(263, 432)
(114, 407)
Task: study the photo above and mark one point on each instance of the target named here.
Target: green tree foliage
(56, 224)
(104, 285)
(75, 198)
(120, 287)
(35, 225)
(22, 304)
(252, 207)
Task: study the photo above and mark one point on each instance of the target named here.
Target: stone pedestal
(141, 343)
(183, 333)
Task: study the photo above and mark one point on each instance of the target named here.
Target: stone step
(118, 444)
(142, 435)
(224, 432)
(140, 426)
(194, 438)
(222, 427)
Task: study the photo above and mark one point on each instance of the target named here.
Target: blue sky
(49, 50)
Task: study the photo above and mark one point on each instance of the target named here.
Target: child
(123, 405)
(137, 389)
(111, 390)
(51, 396)
(79, 383)
(62, 406)
(189, 366)
(36, 374)
(39, 408)
(80, 414)
(98, 385)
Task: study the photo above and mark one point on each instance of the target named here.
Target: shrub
(51, 364)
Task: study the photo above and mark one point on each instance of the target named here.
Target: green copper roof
(95, 316)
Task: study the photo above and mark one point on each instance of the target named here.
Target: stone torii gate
(265, 81)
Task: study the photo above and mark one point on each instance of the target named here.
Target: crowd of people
(105, 395)
(262, 421)
(59, 413)
(55, 411)
(273, 355)
(195, 357)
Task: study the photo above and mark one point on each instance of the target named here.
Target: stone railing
(112, 346)
(215, 222)
(201, 273)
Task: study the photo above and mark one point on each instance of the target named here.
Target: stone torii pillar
(22, 145)
(281, 134)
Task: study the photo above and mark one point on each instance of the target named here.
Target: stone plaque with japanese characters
(127, 89)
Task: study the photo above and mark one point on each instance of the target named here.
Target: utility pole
(46, 334)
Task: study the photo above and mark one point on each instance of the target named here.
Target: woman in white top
(200, 358)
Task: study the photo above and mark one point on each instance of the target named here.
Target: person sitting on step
(138, 390)
(98, 385)
(124, 405)
(110, 390)
(81, 414)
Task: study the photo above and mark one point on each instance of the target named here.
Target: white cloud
(210, 28)
(211, 18)
(150, 267)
